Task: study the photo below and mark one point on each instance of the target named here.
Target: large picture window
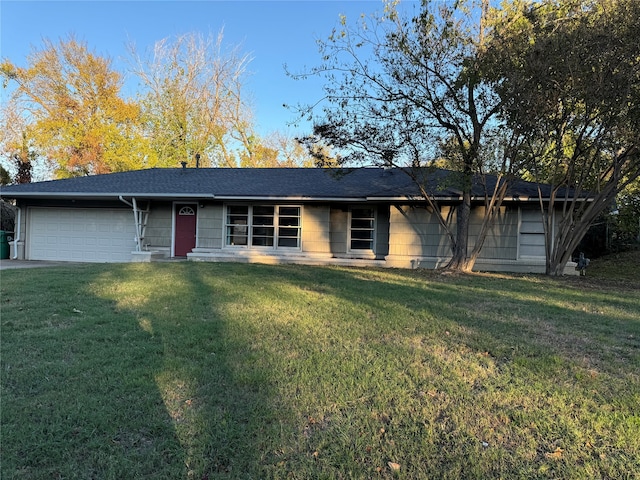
(268, 226)
(362, 228)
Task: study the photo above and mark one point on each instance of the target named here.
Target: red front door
(185, 229)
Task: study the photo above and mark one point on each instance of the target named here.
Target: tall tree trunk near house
(459, 260)
(403, 89)
(493, 203)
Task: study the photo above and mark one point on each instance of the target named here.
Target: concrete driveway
(12, 264)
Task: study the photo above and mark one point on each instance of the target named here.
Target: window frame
(259, 230)
(524, 232)
(373, 229)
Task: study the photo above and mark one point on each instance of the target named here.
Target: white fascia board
(297, 198)
(410, 198)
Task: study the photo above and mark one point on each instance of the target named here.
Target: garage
(81, 235)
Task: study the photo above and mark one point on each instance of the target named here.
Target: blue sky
(274, 33)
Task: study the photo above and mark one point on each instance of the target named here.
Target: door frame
(174, 216)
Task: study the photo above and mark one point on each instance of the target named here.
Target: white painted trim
(276, 221)
(367, 252)
(16, 237)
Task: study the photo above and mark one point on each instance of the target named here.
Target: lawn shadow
(214, 379)
(79, 397)
(473, 343)
(173, 374)
(500, 313)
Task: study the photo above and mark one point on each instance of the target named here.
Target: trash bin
(4, 244)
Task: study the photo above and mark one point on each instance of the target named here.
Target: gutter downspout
(16, 239)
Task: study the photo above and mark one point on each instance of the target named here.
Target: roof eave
(101, 196)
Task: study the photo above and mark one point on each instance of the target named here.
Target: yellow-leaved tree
(70, 98)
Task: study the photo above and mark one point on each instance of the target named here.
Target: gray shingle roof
(276, 183)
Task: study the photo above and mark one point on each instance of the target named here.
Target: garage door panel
(85, 235)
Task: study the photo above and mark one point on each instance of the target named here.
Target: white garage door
(81, 235)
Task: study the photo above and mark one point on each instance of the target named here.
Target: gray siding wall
(339, 221)
(159, 227)
(400, 230)
(210, 226)
(316, 221)
(415, 231)
(502, 239)
(382, 231)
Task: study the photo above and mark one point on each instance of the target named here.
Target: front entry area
(184, 228)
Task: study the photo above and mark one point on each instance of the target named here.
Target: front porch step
(271, 259)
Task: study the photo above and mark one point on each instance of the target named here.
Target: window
(362, 229)
(263, 226)
(236, 227)
(186, 211)
(531, 234)
(267, 226)
(289, 227)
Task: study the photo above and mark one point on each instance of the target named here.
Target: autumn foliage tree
(66, 106)
(276, 150)
(77, 118)
(193, 101)
(16, 143)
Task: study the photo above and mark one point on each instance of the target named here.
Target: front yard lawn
(232, 371)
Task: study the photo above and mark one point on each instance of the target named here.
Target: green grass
(230, 371)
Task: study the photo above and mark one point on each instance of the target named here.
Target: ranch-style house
(364, 216)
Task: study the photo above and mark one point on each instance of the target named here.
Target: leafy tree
(16, 142)
(7, 216)
(275, 150)
(291, 152)
(627, 221)
(258, 154)
(5, 176)
(405, 90)
(569, 76)
(77, 119)
(193, 100)
(321, 155)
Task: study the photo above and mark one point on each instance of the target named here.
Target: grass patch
(189, 370)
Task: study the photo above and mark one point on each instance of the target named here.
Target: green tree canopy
(193, 100)
(405, 89)
(568, 73)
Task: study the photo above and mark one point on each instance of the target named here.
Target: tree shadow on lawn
(497, 313)
(79, 397)
(109, 375)
(489, 345)
(516, 351)
(214, 381)
(180, 382)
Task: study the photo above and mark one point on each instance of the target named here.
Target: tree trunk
(459, 261)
